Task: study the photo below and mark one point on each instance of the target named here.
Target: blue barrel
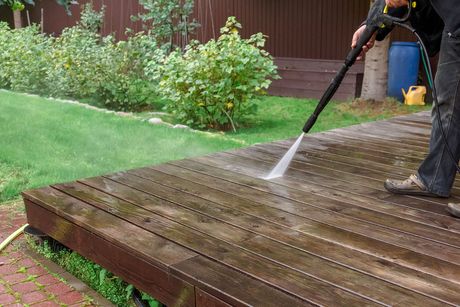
(403, 67)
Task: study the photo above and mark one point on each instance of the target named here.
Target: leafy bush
(79, 62)
(214, 85)
(89, 65)
(5, 55)
(90, 19)
(126, 85)
(167, 19)
(19, 4)
(24, 58)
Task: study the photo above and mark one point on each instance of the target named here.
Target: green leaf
(102, 275)
(129, 291)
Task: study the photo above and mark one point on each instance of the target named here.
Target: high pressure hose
(429, 73)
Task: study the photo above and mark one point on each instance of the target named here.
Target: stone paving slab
(28, 279)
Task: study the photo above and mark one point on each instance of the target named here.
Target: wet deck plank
(208, 231)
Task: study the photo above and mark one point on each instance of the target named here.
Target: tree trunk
(375, 83)
(17, 19)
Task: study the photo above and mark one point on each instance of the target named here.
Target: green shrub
(214, 85)
(126, 85)
(24, 57)
(167, 20)
(90, 19)
(81, 58)
(79, 61)
(5, 47)
(87, 65)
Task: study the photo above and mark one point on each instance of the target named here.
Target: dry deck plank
(219, 235)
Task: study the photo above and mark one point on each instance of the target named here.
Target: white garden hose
(12, 237)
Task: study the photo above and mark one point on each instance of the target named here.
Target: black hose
(434, 92)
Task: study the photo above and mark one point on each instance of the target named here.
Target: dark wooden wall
(296, 28)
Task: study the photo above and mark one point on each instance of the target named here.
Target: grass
(281, 118)
(44, 142)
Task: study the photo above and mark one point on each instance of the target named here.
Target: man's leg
(437, 172)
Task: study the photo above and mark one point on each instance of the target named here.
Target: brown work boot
(411, 186)
(454, 209)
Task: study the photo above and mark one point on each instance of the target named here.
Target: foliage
(90, 19)
(18, 5)
(81, 63)
(215, 84)
(110, 286)
(127, 85)
(166, 18)
(24, 58)
(81, 58)
(6, 46)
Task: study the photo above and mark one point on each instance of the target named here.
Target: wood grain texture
(209, 231)
(141, 273)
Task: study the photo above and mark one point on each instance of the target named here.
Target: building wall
(295, 28)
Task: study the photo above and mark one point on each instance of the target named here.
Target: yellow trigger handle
(386, 9)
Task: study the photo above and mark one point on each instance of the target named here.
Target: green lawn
(281, 118)
(44, 142)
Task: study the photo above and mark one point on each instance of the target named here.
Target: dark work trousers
(438, 170)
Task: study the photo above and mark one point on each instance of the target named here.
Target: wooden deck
(208, 232)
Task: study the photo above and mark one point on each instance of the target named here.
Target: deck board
(208, 231)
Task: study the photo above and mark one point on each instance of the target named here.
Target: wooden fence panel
(295, 28)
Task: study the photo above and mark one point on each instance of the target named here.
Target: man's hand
(355, 39)
(397, 3)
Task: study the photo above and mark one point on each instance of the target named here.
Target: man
(438, 23)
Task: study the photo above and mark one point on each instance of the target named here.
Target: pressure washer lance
(379, 21)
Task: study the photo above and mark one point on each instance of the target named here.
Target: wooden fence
(296, 28)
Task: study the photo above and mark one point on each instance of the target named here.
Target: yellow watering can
(415, 96)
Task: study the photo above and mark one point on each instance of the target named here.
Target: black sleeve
(429, 26)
